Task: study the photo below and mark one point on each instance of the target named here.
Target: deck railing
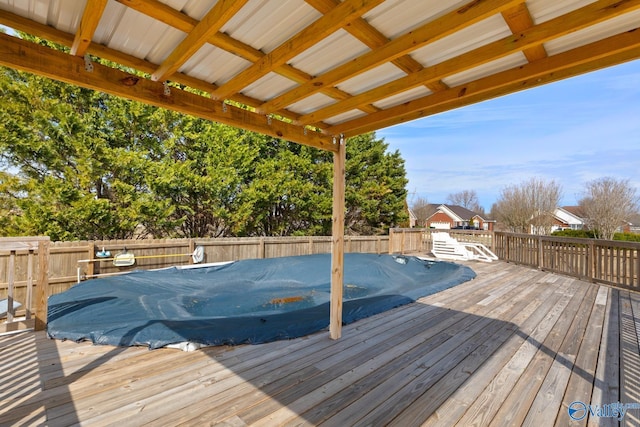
(615, 263)
(24, 263)
(612, 262)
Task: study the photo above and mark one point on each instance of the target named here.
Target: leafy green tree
(79, 164)
(375, 192)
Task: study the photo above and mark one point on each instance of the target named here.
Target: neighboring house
(452, 216)
(568, 218)
(412, 218)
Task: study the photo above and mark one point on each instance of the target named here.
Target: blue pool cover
(249, 301)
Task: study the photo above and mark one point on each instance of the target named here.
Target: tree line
(529, 207)
(79, 164)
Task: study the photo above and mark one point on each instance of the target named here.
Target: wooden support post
(91, 251)
(29, 299)
(11, 283)
(192, 249)
(337, 242)
(42, 288)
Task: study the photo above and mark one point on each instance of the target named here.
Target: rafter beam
(446, 25)
(605, 53)
(183, 22)
(519, 19)
(340, 16)
(93, 11)
(523, 40)
(374, 39)
(41, 60)
(198, 36)
(65, 39)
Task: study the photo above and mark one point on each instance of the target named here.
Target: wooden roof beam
(340, 16)
(219, 14)
(33, 58)
(446, 25)
(65, 39)
(91, 15)
(519, 19)
(183, 22)
(604, 53)
(530, 38)
(374, 39)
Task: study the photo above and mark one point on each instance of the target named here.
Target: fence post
(261, 247)
(42, 288)
(91, 250)
(391, 233)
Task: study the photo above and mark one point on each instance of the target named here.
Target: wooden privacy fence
(612, 262)
(23, 267)
(64, 265)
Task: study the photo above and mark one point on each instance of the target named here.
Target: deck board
(515, 346)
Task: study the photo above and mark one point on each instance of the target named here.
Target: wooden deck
(513, 347)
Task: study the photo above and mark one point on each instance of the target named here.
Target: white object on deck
(446, 247)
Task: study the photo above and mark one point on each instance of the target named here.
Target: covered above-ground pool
(249, 301)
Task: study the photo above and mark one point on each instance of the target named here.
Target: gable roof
(314, 71)
(457, 213)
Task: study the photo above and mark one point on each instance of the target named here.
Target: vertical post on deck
(337, 241)
(42, 288)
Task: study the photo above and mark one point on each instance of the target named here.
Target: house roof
(315, 71)
(576, 211)
(457, 213)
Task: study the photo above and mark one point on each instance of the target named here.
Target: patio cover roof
(315, 71)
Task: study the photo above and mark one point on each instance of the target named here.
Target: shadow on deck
(515, 346)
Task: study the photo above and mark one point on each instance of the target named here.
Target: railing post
(591, 258)
(540, 254)
(29, 302)
(10, 285)
(42, 288)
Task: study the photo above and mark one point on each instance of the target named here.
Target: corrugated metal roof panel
(403, 97)
(269, 87)
(213, 65)
(594, 33)
(477, 35)
(196, 9)
(324, 55)
(311, 103)
(544, 10)
(506, 63)
(265, 24)
(349, 115)
(64, 15)
(368, 80)
(141, 36)
(395, 17)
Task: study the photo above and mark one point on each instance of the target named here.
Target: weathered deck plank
(515, 346)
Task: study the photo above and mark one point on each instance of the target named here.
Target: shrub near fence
(160, 253)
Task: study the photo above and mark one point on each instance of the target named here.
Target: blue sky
(572, 131)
